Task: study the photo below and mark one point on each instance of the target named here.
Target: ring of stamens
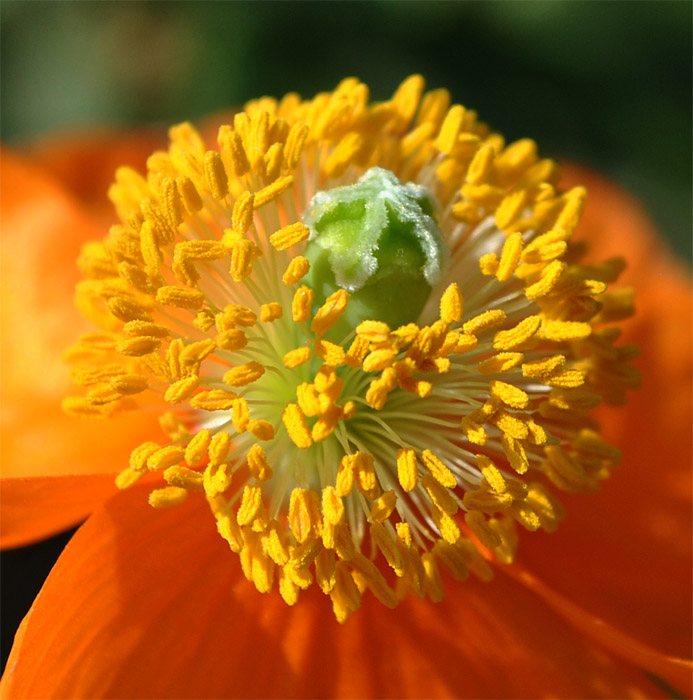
(366, 462)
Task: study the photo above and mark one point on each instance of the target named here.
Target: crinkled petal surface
(43, 229)
(149, 605)
(629, 547)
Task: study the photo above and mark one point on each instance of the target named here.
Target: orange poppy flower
(150, 603)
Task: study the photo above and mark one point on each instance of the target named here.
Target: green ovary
(378, 240)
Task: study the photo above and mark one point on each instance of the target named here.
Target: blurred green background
(605, 83)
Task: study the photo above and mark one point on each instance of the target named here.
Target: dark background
(605, 83)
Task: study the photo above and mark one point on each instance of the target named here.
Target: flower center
(378, 240)
(387, 387)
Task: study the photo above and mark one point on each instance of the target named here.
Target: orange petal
(152, 604)
(625, 554)
(42, 232)
(85, 162)
(35, 507)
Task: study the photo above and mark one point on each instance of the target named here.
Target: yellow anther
(129, 383)
(510, 424)
(502, 362)
(588, 442)
(544, 367)
(515, 453)
(308, 399)
(243, 252)
(572, 209)
(181, 390)
(325, 571)
(357, 351)
(136, 347)
(373, 331)
(296, 426)
(271, 192)
(200, 250)
(544, 253)
(189, 195)
(128, 310)
(378, 360)
(167, 497)
(481, 165)
(549, 278)
(301, 304)
(196, 449)
(164, 231)
(165, 457)
(328, 314)
(294, 144)
(242, 216)
(215, 174)
(273, 162)
(96, 375)
(509, 394)
(332, 506)
(218, 449)
(258, 138)
(510, 257)
(473, 430)
(566, 379)
(479, 525)
(295, 358)
(289, 235)
(271, 312)
(172, 201)
(451, 304)
(214, 400)
(387, 544)
(297, 268)
(517, 336)
(141, 454)
(258, 464)
(136, 329)
(231, 145)
(251, 504)
(217, 478)
(184, 478)
(332, 353)
(236, 315)
(366, 479)
(484, 321)
(305, 518)
(488, 264)
(510, 209)
(184, 270)
(136, 277)
(380, 388)
(103, 395)
(450, 129)
(261, 429)
(181, 298)
(416, 138)
(406, 99)
(232, 339)
(440, 472)
(383, 507)
(561, 331)
(407, 472)
(275, 543)
(344, 154)
(127, 478)
(492, 474)
(244, 374)
(192, 356)
(240, 414)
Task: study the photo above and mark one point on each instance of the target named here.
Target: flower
(503, 360)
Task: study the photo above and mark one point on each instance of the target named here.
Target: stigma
(370, 341)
